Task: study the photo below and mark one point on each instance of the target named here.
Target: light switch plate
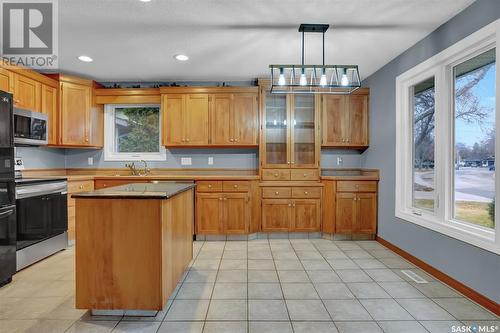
(340, 160)
(210, 160)
(90, 161)
(186, 161)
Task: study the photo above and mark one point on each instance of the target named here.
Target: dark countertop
(159, 190)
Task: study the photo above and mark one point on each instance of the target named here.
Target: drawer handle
(209, 185)
(306, 193)
(305, 175)
(277, 193)
(276, 175)
(289, 205)
(220, 199)
(235, 186)
(231, 140)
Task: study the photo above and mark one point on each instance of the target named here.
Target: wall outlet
(340, 160)
(90, 161)
(18, 163)
(186, 161)
(210, 160)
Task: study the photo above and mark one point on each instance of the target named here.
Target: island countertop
(156, 190)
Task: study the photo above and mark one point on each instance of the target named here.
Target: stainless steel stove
(42, 218)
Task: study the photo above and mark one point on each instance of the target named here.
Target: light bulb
(322, 81)
(344, 81)
(303, 80)
(281, 80)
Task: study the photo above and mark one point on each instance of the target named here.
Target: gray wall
(42, 158)
(470, 265)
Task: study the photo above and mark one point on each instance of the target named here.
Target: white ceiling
(236, 39)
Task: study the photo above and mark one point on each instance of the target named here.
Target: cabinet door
(245, 119)
(303, 132)
(276, 215)
(345, 212)
(358, 120)
(334, 120)
(366, 213)
(221, 130)
(75, 110)
(306, 215)
(173, 119)
(236, 213)
(209, 213)
(197, 119)
(6, 80)
(49, 107)
(276, 132)
(26, 93)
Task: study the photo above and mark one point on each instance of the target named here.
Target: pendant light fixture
(314, 79)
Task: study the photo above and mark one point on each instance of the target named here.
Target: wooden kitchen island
(133, 243)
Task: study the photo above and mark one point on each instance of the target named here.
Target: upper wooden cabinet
(6, 80)
(345, 120)
(290, 130)
(209, 116)
(81, 122)
(27, 93)
(49, 106)
(185, 119)
(233, 119)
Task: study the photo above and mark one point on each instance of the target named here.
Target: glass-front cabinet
(290, 131)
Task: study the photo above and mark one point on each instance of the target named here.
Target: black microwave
(30, 128)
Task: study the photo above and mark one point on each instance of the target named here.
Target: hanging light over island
(314, 79)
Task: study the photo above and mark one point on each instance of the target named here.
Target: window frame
(441, 67)
(109, 137)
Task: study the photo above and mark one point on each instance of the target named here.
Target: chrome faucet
(133, 169)
(146, 171)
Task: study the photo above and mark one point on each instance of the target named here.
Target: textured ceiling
(236, 39)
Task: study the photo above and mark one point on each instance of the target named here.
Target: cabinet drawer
(80, 186)
(275, 174)
(304, 174)
(276, 192)
(356, 186)
(306, 192)
(209, 186)
(235, 186)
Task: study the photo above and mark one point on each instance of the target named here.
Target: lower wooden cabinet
(75, 186)
(276, 215)
(222, 213)
(356, 213)
(297, 215)
(306, 215)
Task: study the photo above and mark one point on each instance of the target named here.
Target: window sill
(467, 233)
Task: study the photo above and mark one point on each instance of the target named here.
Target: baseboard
(457, 285)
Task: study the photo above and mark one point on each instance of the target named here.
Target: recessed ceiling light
(181, 57)
(85, 58)
(144, 0)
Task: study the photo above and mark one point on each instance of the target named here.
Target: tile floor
(276, 285)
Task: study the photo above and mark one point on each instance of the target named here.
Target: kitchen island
(133, 243)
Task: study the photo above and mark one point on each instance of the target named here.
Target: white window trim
(440, 66)
(109, 137)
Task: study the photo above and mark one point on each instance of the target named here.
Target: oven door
(32, 221)
(7, 243)
(30, 128)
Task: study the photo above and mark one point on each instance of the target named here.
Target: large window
(133, 132)
(447, 112)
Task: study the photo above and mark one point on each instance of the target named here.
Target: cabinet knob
(187, 140)
(86, 140)
(305, 175)
(231, 140)
(209, 185)
(357, 186)
(276, 175)
(293, 205)
(235, 140)
(289, 205)
(220, 199)
(81, 187)
(277, 193)
(235, 186)
(306, 193)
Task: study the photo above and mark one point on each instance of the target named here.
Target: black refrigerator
(7, 191)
